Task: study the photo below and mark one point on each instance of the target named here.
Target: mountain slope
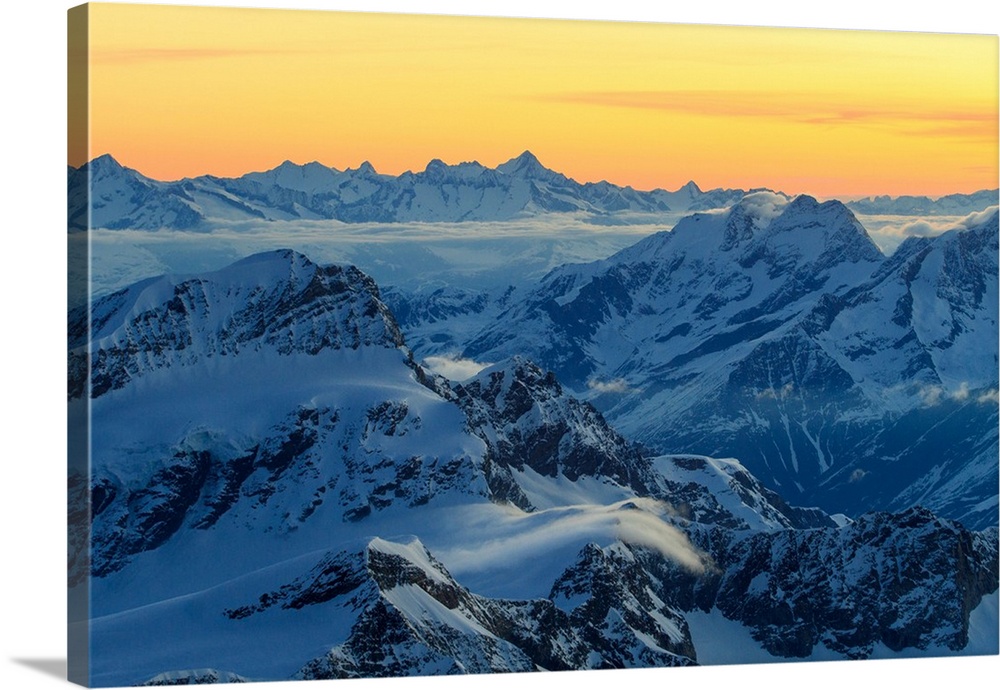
(262, 436)
(886, 581)
(275, 396)
(735, 271)
(777, 333)
(104, 194)
(278, 301)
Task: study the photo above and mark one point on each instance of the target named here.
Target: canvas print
(413, 345)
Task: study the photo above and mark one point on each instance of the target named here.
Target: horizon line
(369, 164)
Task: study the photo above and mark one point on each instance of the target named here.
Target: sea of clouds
(419, 256)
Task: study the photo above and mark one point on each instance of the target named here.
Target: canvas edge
(78, 289)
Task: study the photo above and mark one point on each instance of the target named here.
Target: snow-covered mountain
(279, 300)
(821, 593)
(104, 194)
(776, 332)
(123, 198)
(276, 382)
(117, 197)
(948, 205)
(690, 197)
(277, 489)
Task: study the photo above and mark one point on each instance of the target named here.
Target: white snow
(167, 601)
(984, 637)
(412, 551)
(722, 641)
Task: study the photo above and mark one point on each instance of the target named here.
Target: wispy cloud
(931, 395)
(644, 529)
(803, 108)
(990, 396)
(545, 532)
(921, 228)
(982, 129)
(764, 206)
(145, 55)
(712, 102)
(619, 386)
(857, 476)
(455, 368)
(777, 393)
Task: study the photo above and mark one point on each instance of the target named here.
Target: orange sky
(183, 91)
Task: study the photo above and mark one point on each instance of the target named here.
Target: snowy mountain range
(123, 198)
(117, 197)
(950, 204)
(279, 489)
(777, 332)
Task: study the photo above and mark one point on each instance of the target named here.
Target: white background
(32, 387)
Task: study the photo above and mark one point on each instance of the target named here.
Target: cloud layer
(455, 368)
(619, 386)
(537, 535)
(889, 231)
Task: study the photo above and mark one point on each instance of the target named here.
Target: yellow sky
(183, 91)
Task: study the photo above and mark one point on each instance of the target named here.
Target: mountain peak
(804, 204)
(804, 201)
(180, 320)
(526, 158)
(831, 208)
(106, 170)
(316, 165)
(436, 169)
(287, 167)
(275, 256)
(519, 368)
(105, 159)
(525, 165)
(105, 163)
(839, 236)
(309, 177)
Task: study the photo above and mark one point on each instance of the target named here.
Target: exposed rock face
(529, 422)
(418, 620)
(847, 589)
(906, 580)
(778, 334)
(619, 607)
(317, 447)
(277, 301)
(239, 512)
(722, 492)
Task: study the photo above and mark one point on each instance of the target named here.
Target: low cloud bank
(889, 231)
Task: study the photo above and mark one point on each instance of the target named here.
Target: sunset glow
(185, 91)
